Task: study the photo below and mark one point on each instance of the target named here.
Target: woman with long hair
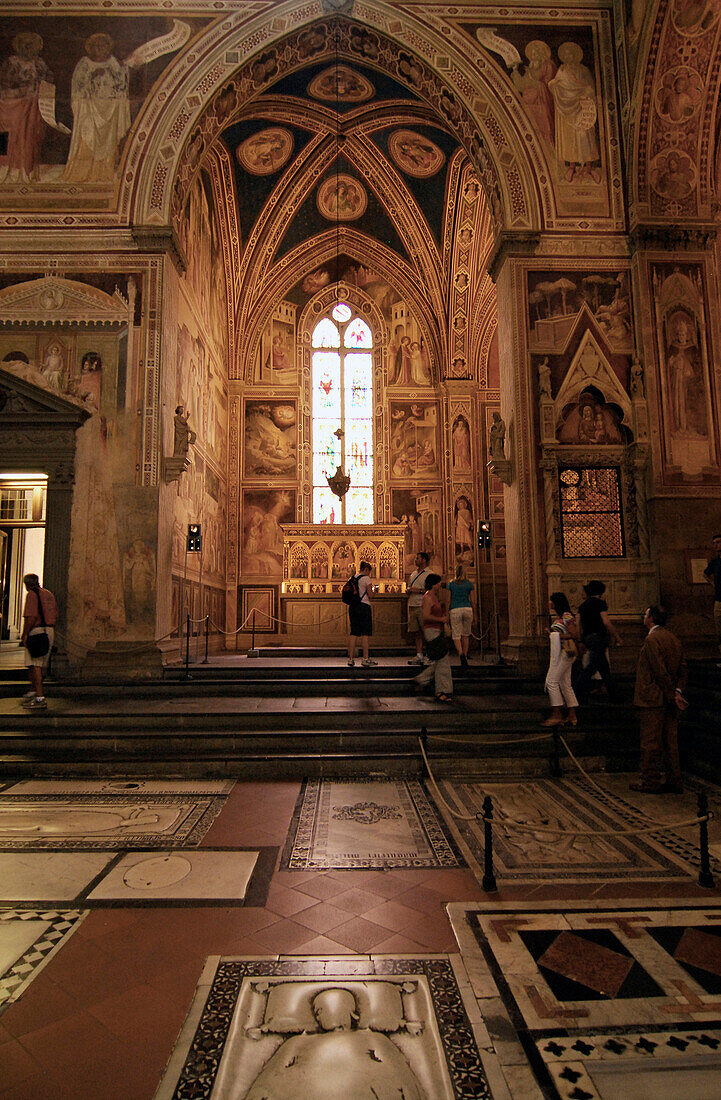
(434, 621)
(558, 678)
(461, 613)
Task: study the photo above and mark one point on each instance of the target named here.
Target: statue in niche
(366, 1064)
(461, 445)
(638, 388)
(544, 378)
(497, 438)
(183, 433)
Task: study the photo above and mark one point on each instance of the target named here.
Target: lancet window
(342, 410)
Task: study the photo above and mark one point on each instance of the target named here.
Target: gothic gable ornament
(23, 405)
(56, 301)
(590, 367)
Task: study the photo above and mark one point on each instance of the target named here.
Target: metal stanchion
(489, 878)
(252, 652)
(424, 743)
(187, 648)
(705, 878)
(207, 628)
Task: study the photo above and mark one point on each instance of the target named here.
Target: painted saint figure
(461, 445)
(533, 87)
(574, 96)
(101, 112)
(20, 77)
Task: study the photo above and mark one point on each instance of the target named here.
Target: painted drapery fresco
(70, 89)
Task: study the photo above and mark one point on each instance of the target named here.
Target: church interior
(287, 286)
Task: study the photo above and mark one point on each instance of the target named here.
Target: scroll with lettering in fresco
(46, 106)
(166, 43)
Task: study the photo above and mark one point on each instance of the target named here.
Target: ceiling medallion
(265, 152)
(339, 84)
(341, 198)
(414, 154)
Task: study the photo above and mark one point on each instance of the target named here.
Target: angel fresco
(342, 198)
(265, 152)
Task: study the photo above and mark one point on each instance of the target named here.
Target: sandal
(443, 698)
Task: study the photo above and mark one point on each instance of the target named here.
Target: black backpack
(350, 592)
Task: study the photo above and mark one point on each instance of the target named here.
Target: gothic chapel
(286, 286)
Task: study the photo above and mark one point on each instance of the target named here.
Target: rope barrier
(499, 741)
(562, 830)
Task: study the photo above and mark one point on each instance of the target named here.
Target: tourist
(434, 621)
(563, 652)
(361, 617)
(712, 573)
(595, 630)
(660, 680)
(416, 587)
(39, 617)
(461, 613)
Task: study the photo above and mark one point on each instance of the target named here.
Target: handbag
(38, 645)
(437, 647)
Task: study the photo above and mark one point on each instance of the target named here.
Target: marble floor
(141, 920)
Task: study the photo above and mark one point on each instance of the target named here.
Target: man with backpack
(359, 613)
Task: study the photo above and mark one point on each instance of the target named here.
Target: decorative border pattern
(63, 923)
(298, 852)
(197, 1077)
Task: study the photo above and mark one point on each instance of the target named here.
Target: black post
(705, 878)
(424, 742)
(187, 648)
(207, 627)
(252, 640)
(489, 878)
(554, 759)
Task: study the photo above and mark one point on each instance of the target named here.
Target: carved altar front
(319, 558)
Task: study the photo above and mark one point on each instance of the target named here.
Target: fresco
(270, 438)
(342, 198)
(199, 234)
(340, 84)
(265, 152)
(414, 439)
(276, 359)
(555, 300)
(70, 89)
(416, 155)
(553, 72)
(461, 437)
(590, 421)
(410, 507)
(463, 534)
(264, 510)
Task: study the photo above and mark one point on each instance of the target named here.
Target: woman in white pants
(434, 621)
(558, 677)
(461, 613)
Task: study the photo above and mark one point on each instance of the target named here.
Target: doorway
(23, 503)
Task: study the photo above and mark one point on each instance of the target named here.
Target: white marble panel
(177, 875)
(48, 876)
(16, 936)
(121, 786)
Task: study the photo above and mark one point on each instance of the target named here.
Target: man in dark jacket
(660, 680)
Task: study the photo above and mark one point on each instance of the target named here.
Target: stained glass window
(342, 389)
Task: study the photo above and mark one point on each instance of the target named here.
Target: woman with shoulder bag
(434, 621)
(563, 653)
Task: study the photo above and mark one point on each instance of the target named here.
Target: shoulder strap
(41, 613)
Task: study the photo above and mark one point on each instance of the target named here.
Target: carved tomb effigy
(319, 558)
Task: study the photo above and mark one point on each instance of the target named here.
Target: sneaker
(29, 695)
(416, 660)
(426, 661)
(351, 663)
(38, 704)
(368, 662)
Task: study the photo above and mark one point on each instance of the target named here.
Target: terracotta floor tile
(42, 1004)
(323, 945)
(283, 937)
(360, 935)
(393, 915)
(321, 887)
(138, 1010)
(36, 1087)
(357, 901)
(55, 1047)
(322, 917)
(287, 902)
(16, 1065)
(293, 878)
(422, 899)
(398, 945)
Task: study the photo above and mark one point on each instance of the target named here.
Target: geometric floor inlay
(537, 853)
(358, 823)
(350, 1027)
(606, 1001)
(28, 938)
(105, 820)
